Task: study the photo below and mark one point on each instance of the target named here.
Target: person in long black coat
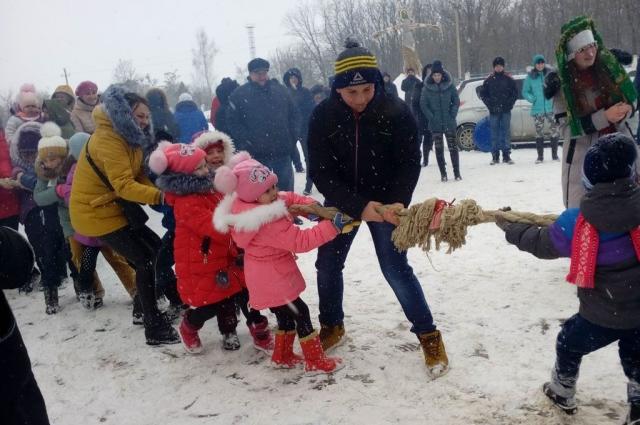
(21, 401)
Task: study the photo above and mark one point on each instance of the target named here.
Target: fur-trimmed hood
(292, 72)
(120, 114)
(184, 184)
(430, 84)
(204, 140)
(249, 217)
(14, 149)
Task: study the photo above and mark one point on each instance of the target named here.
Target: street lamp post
(457, 6)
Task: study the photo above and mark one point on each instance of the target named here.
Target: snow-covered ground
(499, 311)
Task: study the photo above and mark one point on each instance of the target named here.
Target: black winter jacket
(499, 93)
(262, 120)
(614, 210)
(421, 120)
(407, 86)
(303, 102)
(20, 399)
(357, 158)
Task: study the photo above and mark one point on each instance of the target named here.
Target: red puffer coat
(9, 202)
(201, 253)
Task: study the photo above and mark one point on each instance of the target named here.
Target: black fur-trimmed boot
(51, 300)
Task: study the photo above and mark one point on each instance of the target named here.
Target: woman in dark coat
(439, 102)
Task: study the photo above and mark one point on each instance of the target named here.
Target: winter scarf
(584, 253)
(608, 61)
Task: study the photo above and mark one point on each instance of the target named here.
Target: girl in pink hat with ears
(206, 269)
(219, 149)
(258, 218)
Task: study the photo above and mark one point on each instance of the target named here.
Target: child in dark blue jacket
(602, 238)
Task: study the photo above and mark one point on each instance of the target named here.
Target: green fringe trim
(611, 65)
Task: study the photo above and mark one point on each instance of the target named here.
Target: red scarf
(584, 253)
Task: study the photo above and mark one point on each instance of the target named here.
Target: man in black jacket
(424, 134)
(303, 102)
(262, 121)
(499, 93)
(408, 84)
(20, 399)
(363, 154)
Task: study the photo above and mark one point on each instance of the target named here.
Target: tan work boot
(435, 356)
(331, 336)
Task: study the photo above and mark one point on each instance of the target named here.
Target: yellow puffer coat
(92, 207)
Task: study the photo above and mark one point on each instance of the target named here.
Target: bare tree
(124, 71)
(6, 102)
(202, 60)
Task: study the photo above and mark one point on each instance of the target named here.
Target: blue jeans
(283, 169)
(394, 266)
(500, 133)
(580, 337)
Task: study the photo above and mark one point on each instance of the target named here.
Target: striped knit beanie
(51, 143)
(355, 66)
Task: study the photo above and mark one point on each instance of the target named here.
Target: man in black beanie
(364, 153)
(262, 121)
(499, 93)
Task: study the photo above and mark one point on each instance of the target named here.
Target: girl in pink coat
(257, 216)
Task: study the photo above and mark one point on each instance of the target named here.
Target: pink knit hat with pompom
(177, 158)
(246, 176)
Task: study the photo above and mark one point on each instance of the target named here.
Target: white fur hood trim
(247, 221)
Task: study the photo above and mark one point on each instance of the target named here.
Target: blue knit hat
(77, 142)
(612, 157)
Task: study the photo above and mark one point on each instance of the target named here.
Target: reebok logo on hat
(357, 79)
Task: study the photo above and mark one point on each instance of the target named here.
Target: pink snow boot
(190, 338)
(262, 337)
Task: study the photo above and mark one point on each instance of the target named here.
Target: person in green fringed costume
(592, 95)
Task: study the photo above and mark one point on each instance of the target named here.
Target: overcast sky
(41, 37)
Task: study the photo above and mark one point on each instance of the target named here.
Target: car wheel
(464, 137)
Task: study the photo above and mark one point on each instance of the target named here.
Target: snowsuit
(610, 311)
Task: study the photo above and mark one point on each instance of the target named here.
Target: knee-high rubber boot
(540, 149)
(442, 165)
(455, 162)
(554, 149)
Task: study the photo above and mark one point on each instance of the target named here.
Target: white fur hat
(210, 138)
(578, 41)
(51, 142)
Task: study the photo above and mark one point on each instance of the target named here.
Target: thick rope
(417, 226)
